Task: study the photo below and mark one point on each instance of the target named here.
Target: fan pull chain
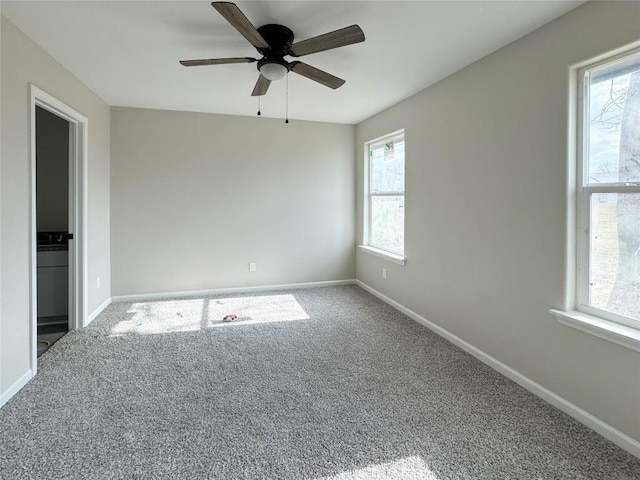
(259, 106)
(287, 101)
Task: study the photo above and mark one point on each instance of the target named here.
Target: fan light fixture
(273, 71)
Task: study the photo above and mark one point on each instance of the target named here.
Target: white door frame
(78, 148)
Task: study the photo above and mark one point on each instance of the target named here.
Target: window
(608, 190)
(384, 209)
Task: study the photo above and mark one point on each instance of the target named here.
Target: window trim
(393, 256)
(623, 335)
(577, 313)
(376, 252)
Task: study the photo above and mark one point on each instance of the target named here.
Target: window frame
(576, 313)
(394, 256)
(584, 190)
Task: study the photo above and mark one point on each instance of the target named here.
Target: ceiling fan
(274, 42)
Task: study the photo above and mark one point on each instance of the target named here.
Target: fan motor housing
(279, 38)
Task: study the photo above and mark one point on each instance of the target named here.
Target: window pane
(614, 123)
(614, 276)
(387, 223)
(387, 166)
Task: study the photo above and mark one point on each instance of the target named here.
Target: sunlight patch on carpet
(191, 314)
(409, 468)
(251, 310)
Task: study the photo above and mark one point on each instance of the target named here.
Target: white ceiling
(128, 51)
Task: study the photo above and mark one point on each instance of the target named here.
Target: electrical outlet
(252, 267)
(384, 272)
(98, 282)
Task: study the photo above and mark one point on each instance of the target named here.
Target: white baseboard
(17, 385)
(203, 293)
(98, 311)
(614, 435)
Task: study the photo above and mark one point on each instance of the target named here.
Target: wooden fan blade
(316, 75)
(338, 38)
(236, 18)
(262, 85)
(216, 61)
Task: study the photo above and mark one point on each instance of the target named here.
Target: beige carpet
(326, 383)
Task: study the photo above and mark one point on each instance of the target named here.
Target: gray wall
(486, 175)
(24, 62)
(52, 172)
(196, 197)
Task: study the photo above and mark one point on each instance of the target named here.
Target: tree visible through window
(609, 188)
(385, 222)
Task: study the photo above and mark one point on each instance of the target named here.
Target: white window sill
(400, 260)
(614, 332)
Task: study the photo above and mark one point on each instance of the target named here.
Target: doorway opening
(52, 227)
(58, 221)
